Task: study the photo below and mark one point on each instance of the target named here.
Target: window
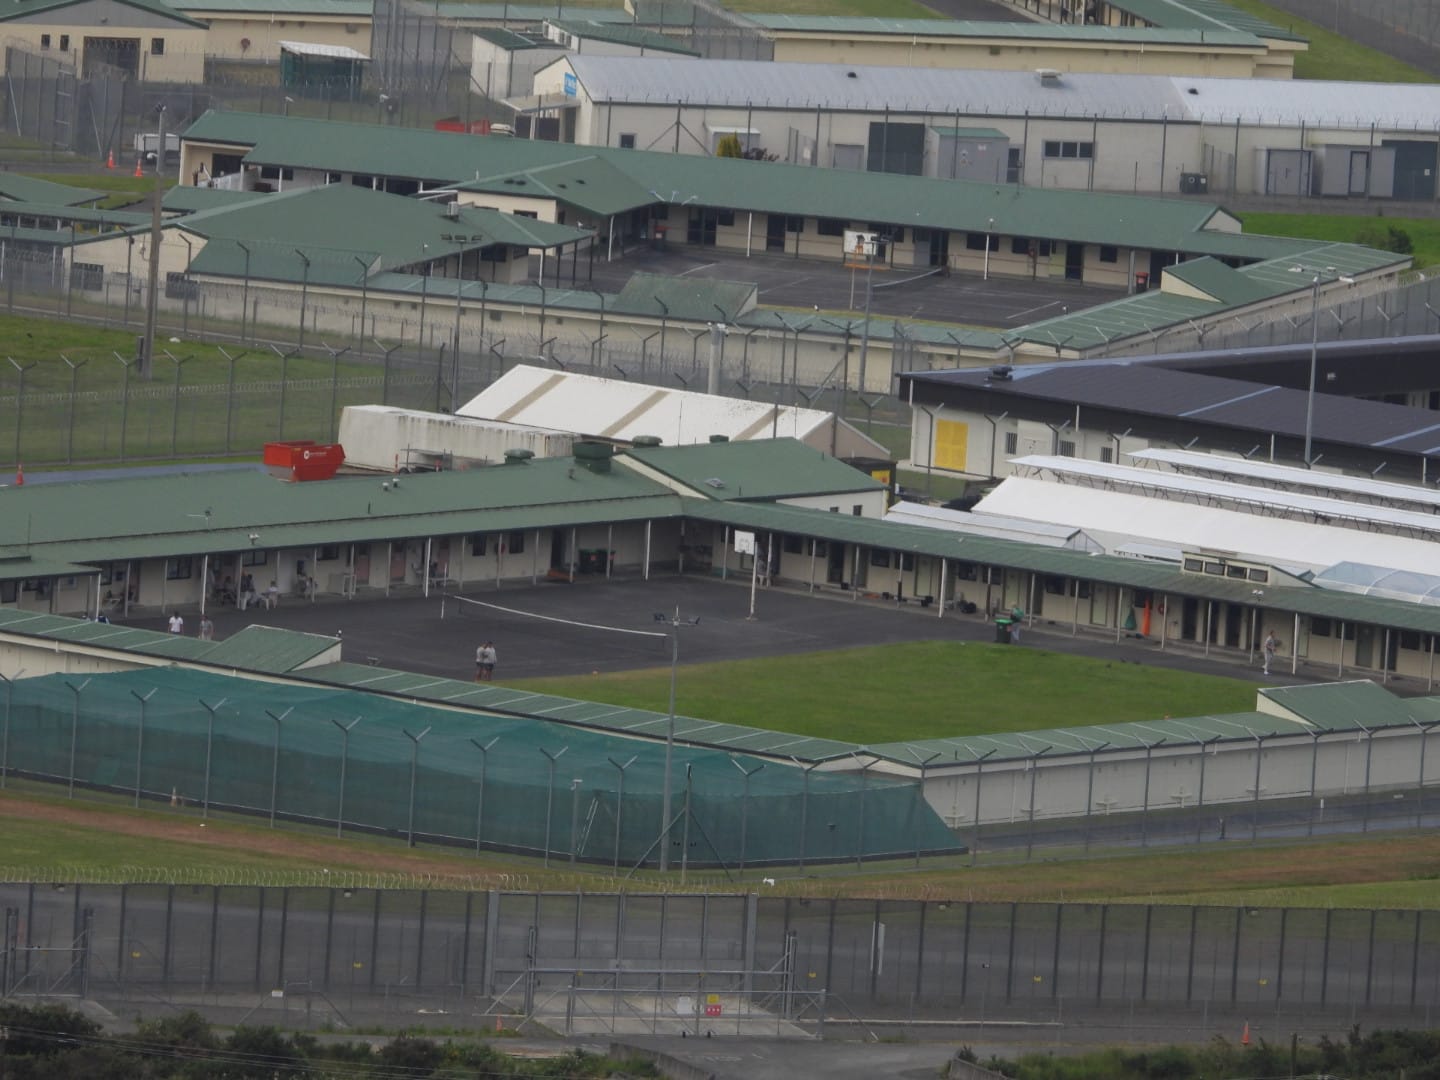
(907, 560)
(794, 224)
(271, 172)
(157, 46)
(1056, 148)
(477, 545)
(725, 218)
(1194, 566)
(792, 544)
(328, 553)
(9, 590)
(254, 558)
(515, 543)
(1262, 576)
(177, 569)
(64, 42)
(1019, 245)
(87, 276)
(829, 226)
(1214, 568)
(857, 510)
(1320, 627)
(178, 286)
(1109, 253)
(1107, 454)
(1410, 639)
(627, 141)
(44, 41)
(1012, 442)
(1235, 572)
(977, 241)
(1067, 449)
(879, 557)
(1055, 586)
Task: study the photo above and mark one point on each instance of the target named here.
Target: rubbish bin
(1002, 631)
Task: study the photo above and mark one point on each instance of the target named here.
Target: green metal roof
(1202, 15)
(1024, 31)
(33, 189)
(255, 648)
(189, 514)
(18, 565)
(754, 469)
(360, 10)
(630, 179)
(1155, 310)
(184, 199)
(315, 223)
(462, 11)
(685, 298)
(496, 698)
(1350, 706)
(620, 34)
(1221, 283)
(63, 212)
(1101, 738)
(20, 9)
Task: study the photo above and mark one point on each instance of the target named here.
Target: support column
(1340, 659)
(812, 588)
(1295, 646)
(389, 562)
(1164, 619)
(940, 600)
(609, 543)
(574, 534)
(647, 549)
(535, 559)
(425, 567)
(205, 576)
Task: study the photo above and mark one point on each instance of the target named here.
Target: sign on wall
(572, 84)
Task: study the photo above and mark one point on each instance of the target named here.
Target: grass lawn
(1332, 56)
(48, 835)
(1424, 233)
(124, 187)
(850, 694)
(207, 422)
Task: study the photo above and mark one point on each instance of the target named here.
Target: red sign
(712, 1010)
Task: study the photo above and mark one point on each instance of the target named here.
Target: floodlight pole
(675, 623)
(344, 760)
(140, 739)
(5, 734)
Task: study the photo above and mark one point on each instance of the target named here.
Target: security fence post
(550, 797)
(620, 806)
(484, 749)
(209, 750)
(275, 761)
(414, 764)
(74, 729)
(745, 807)
(140, 739)
(5, 733)
(345, 730)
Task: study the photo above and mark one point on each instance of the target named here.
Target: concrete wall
(182, 55)
(230, 30)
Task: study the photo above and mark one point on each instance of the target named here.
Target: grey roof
(619, 34)
(1208, 399)
(981, 93)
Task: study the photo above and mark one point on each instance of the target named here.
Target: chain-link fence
(1406, 29)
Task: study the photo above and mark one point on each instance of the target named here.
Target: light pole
(675, 623)
(989, 231)
(1316, 272)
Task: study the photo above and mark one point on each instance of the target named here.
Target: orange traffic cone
(138, 170)
(19, 475)
(1245, 1034)
(110, 160)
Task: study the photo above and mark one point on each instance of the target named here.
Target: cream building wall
(181, 48)
(230, 31)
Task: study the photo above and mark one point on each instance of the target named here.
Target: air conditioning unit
(452, 210)
(1194, 183)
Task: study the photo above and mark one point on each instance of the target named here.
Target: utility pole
(147, 346)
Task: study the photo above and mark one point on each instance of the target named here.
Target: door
(1234, 620)
(1414, 168)
(1189, 619)
(834, 563)
(1359, 172)
(362, 564)
(559, 538)
(1074, 262)
(939, 247)
(397, 562)
(1364, 646)
(775, 232)
(1014, 166)
(700, 230)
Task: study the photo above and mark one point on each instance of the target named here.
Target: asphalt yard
(902, 292)
(600, 626)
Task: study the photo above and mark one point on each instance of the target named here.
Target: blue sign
(571, 84)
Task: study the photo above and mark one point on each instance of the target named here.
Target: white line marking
(1027, 311)
(703, 266)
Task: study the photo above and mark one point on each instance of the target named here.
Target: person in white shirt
(177, 624)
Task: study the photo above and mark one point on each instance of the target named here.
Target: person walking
(485, 662)
(177, 624)
(207, 629)
(1268, 648)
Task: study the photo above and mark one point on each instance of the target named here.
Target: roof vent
(452, 210)
(851, 75)
(719, 438)
(1048, 76)
(1001, 372)
(715, 482)
(593, 455)
(518, 456)
(647, 440)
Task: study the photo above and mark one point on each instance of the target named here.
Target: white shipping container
(388, 439)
